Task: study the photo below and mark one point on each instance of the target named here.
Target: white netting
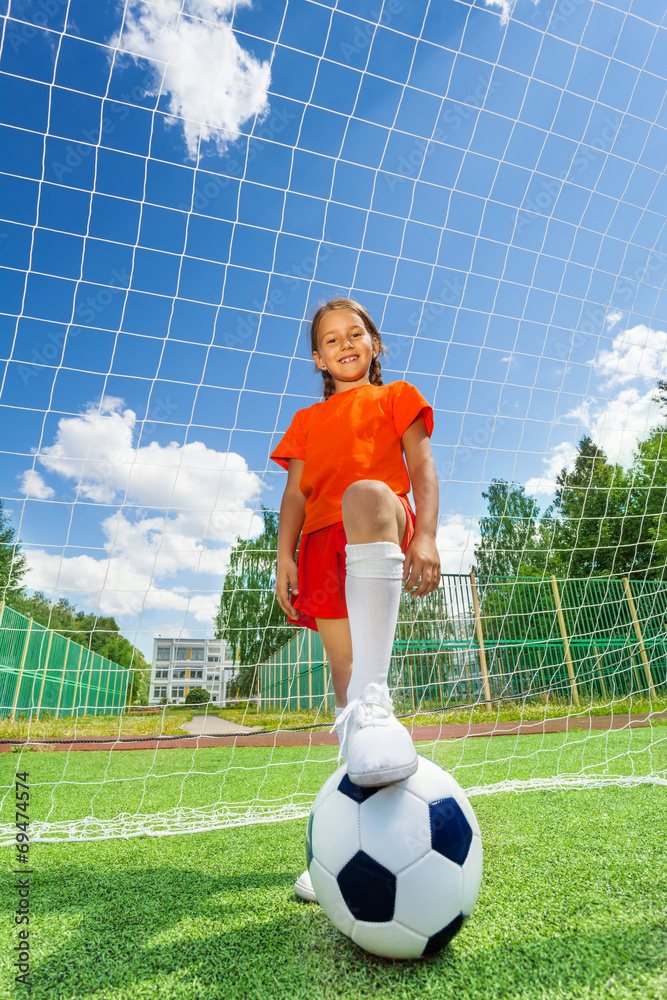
(182, 181)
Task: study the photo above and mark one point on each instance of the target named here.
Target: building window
(179, 675)
(213, 659)
(196, 675)
(197, 654)
(160, 691)
(178, 692)
(209, 677)
(181, 653)
(214, 698)
(161, 673)
(163, 653)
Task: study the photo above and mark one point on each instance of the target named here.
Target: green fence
(42, 671)
(476, 641)
(297, 675)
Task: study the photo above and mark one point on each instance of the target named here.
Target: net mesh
(181, 183)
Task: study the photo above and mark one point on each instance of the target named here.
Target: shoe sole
(387, 776)
(307, 895)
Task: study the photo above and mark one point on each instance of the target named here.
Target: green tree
(249, 618)
(13, 566)
(660, 395)
(510, 543)
(196, 696)
(647, 508)
(590, 533)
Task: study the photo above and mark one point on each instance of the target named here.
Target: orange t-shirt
(353, 435)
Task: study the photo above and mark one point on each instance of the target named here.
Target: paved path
(213, 725)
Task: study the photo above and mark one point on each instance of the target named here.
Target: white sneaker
(377, 749)
(303, 887)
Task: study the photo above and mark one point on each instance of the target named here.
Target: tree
(591, 535)
(510, 544)
(196, 696)
(660, 396)
(13, 565)
(249, 618)
(647, 508)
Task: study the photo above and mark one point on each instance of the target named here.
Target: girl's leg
(337, 642)
(378, 749)
(375, 522)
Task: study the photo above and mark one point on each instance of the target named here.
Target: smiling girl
(347, 499)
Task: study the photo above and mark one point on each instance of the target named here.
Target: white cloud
(627, 372)
(180, 508)
(639, 352)
(560, 457)
(623, 410)
(613, 318)
(506, 8)
(33, 486)
(455, 540)
(213, 84)
(206, 492)
(619, 427)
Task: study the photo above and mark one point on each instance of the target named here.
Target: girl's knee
(367, 490)
(372, 512)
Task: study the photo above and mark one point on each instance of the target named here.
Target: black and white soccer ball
(396, 868)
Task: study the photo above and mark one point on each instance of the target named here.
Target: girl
(346, 496)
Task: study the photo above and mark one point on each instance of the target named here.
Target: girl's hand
(421, 569)
(287, 580)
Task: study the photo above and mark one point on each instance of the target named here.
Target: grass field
(573, 903)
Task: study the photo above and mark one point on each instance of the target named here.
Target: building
(181, 664)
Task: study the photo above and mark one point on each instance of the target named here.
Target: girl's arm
(421, 569)
(292, 515)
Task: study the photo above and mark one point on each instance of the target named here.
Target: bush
(196, 695)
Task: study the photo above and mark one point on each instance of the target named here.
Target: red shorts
(321, 565)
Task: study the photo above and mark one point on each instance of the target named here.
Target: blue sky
(181, 183)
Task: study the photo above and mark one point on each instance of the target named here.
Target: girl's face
(346, 348)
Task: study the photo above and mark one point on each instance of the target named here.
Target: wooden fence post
(604, 686)
(62, 679)
(75, 693)
(566, 642)
(46, 667)
(89, 657)
(20, 676)
(310, 670)
(298, 678)
(480, 643)
(638, 633)
(106, 690)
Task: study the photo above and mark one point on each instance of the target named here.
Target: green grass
(170, 720)
(573, 903)
(108, 783)
(572, 907)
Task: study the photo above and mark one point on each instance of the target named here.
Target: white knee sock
(373, 593)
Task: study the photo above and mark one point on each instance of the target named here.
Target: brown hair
(375, 370)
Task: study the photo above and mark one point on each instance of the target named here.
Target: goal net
(182, 183)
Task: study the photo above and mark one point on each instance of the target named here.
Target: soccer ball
(396, 868)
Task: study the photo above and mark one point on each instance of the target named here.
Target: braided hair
(375, 370)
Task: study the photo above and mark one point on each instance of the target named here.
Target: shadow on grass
(170, 933)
